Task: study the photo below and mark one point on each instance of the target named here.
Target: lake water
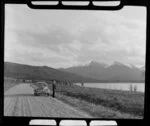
(140, 87)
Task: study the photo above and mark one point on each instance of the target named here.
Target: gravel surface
(20, 101)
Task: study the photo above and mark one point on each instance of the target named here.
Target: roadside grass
(96, 111)
(9, 83)
(131, 103)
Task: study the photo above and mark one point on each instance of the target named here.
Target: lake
(140, 87)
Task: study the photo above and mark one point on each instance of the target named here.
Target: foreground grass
(96, 111)
(131, 104)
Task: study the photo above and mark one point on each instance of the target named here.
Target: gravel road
(20, 101)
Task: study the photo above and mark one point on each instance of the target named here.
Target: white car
(42, 90)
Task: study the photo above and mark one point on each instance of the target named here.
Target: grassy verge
(9, 83)
(96, 111)
(131, 103)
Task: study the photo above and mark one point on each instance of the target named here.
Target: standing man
(54, 87)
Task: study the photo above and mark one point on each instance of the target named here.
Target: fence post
(82, 84)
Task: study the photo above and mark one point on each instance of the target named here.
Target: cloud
(51, 37)
(67, 38)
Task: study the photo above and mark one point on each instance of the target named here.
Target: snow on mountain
(114, 72)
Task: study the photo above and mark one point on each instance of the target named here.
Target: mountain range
(92, 72)
(23, 71)
(116, 72)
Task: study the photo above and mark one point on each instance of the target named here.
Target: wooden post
(54, 82)
(82, 84)
(131, 87)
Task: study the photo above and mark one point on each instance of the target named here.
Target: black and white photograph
(73, 63)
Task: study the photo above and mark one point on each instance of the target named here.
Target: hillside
(116, 72)
(22, 71)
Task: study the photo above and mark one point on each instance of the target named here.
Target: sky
(65, 38)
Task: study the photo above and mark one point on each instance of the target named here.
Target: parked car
(42, 90)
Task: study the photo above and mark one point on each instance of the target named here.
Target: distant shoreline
(113, 82)
(83, 81)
